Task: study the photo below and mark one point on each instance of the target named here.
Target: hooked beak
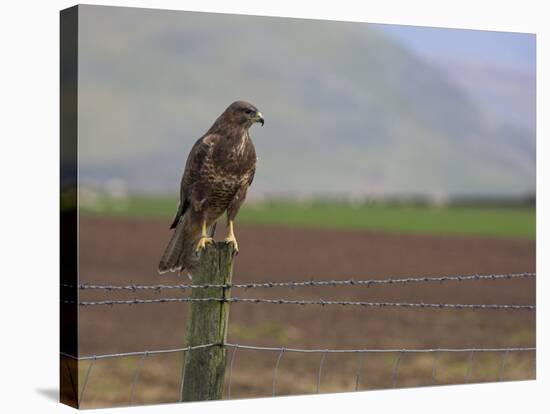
(259, 118)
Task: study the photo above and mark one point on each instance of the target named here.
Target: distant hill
(348, 110)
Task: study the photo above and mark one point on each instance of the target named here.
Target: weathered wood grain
(207, 322)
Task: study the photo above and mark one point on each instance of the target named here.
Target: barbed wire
(297, 284)
(320, 302)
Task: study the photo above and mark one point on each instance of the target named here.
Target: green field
(488, 221)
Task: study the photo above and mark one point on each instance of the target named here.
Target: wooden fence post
(204, 369)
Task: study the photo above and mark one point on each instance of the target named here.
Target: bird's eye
(248, 111)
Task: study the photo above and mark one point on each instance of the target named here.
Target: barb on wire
(297, 284)
(321, 302)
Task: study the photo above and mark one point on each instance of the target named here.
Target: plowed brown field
(123, 251)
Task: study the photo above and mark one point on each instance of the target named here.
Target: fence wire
(298, 284)
(321, 302)
(300, 350)
(138, 353)
(282, 350)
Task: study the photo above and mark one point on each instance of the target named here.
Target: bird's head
(244, 114)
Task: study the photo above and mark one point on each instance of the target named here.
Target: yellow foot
(232, 240)
(204, 240)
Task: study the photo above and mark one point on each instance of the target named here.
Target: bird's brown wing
(193, 170)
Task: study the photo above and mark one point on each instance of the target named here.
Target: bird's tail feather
(180, 255)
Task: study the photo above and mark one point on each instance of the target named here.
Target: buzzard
(218, 172)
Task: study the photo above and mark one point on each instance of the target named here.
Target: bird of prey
(218, 172)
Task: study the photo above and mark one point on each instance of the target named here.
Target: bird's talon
(233, 241)
(203, 241)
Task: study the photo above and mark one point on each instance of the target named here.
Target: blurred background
(387, 151)
(353, 110)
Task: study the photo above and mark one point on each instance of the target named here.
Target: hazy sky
(510, 51)
(497, 69)
(351, 108)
